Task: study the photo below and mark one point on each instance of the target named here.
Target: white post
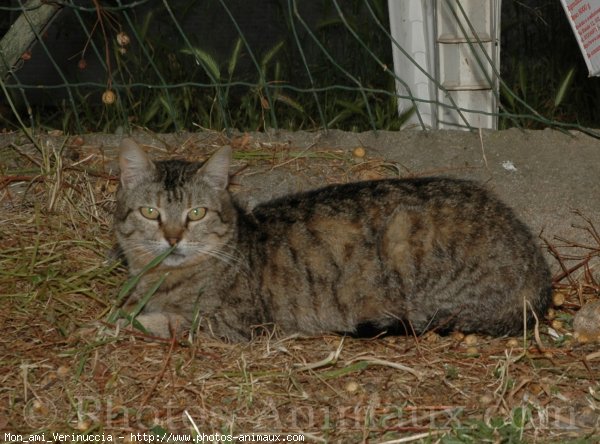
(412, 26)
(437, 35)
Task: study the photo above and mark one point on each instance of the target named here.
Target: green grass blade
(142, 302)
(235, 55)
(133, 281)
(339, 372)
(140, 305)
(564, 86)
(523, 80)
(206, 61)
(290, 102)
(270, 54)
(196, 319)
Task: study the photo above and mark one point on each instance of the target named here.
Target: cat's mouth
(176, 257)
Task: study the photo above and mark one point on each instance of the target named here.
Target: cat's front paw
(159, 324)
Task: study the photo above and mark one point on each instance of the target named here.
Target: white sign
(584, 16)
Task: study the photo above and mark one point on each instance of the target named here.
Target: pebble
(359, 152)
(558, 299)
(470, 340)
(352, 387)
(472, 351)
(458, 336)
(587, 322)
(485, 399)
(512, 343)
(63, 371)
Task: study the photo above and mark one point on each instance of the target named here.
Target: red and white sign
(584, 16)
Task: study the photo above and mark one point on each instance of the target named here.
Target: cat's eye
(196, 213)
(150, 213)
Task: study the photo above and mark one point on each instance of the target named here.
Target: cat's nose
(173, 235)
(173, 240)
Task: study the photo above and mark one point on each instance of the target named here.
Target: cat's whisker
(224, 256)
(141, 252)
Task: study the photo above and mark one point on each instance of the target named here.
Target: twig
(591, 228)
(483, 149)
(536, 330)
(416, 437)
(193, 423)
(592, 356)
(376, 361)
(558, 257)
(24, 154)
(6, 180)
(162, 372)
(330, 359)
(567, 273)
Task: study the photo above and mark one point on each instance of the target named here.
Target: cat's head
(172, 203)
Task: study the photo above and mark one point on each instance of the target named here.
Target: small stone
(485, 399)
(123, 39)
(512, 343)
(470, 340)
(83, 426)
(352, 387)
(359, 152)
(536, 389)
(557, 324)
(558, 299)
(38, 406)
(63, 371)
(108, 97)
(431, 337)
(587, 322)
(457, 336)
(472, 351)
(582, 338)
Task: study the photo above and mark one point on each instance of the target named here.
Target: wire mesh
(109, 65)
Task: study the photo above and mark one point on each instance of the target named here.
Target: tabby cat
(427, 253)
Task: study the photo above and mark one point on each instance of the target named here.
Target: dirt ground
(63, 370)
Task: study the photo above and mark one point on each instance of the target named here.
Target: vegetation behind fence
(100, 65)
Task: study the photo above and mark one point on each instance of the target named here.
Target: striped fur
(422, 253)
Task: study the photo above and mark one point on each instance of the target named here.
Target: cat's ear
(216, 169)
(134, 163)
